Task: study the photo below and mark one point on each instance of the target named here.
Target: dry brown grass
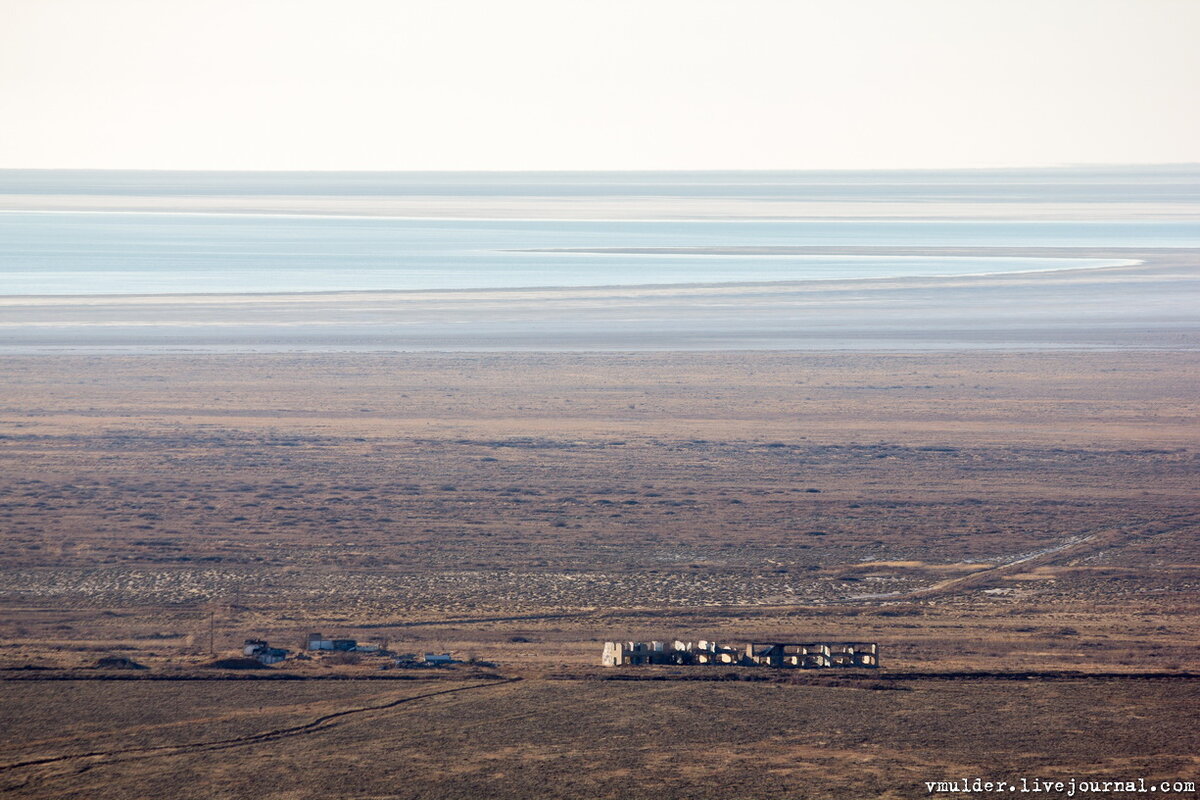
(984, 511)
(574, 739)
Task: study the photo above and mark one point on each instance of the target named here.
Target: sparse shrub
(117, 662)
(907, 611)
(235, 663)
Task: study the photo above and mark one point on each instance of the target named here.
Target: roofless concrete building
(798, 655)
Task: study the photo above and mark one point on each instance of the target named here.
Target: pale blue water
(123, 250)
(129, 252)
(140, 253)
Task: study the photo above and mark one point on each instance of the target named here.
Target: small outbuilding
(261, 651)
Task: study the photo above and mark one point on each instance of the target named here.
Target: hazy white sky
(597, 84)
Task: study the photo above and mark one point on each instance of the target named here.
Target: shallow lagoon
(149, 253)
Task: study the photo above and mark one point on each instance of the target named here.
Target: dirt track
(320, 723)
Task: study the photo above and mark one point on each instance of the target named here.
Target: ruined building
(803, 655)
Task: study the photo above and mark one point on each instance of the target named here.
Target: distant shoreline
(1127, 258)
(1149, 305)
(6, 299)
(915, 251)
(600, 208)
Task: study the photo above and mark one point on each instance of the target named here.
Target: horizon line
(575, 171)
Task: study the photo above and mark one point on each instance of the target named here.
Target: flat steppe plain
(973, 512)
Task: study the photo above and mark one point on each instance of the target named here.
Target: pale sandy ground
(1150, 304)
